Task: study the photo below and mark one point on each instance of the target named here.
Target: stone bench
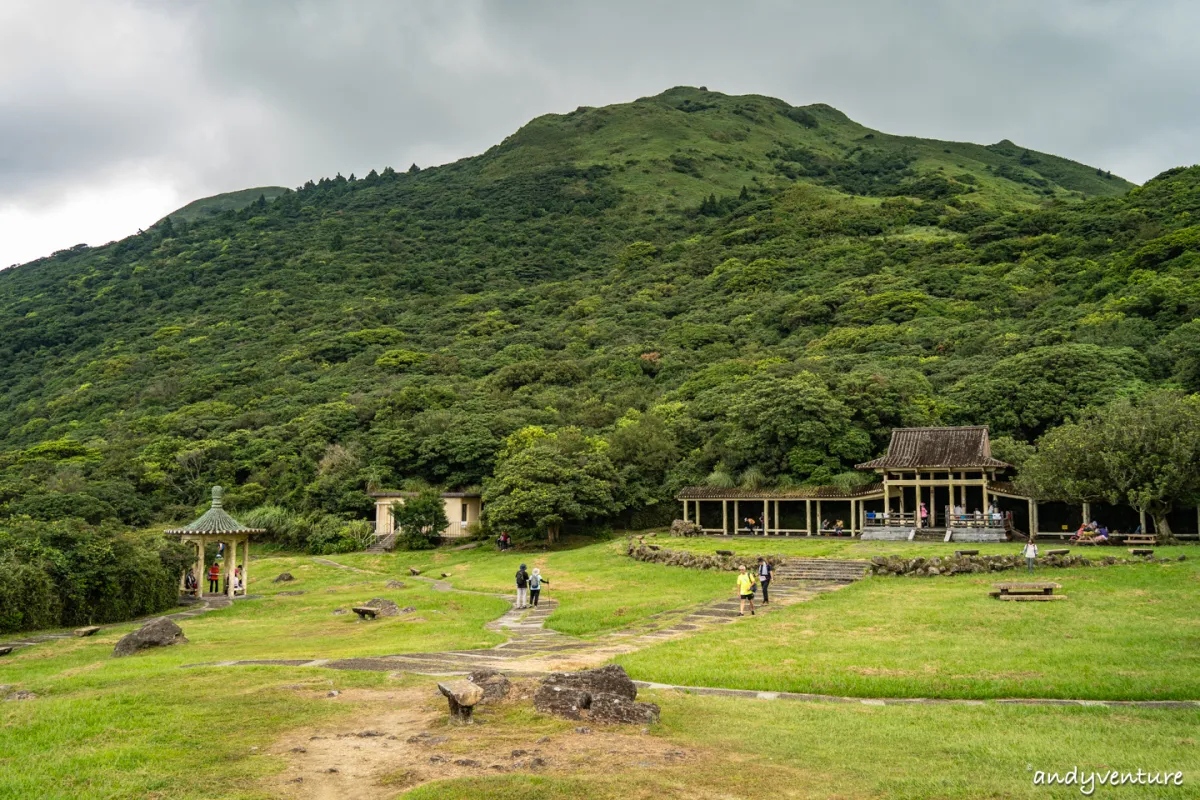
(1141, 551)
(966, 552)
(1061, 552)
(365, 612)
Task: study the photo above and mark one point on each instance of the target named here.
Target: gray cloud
(212, 96)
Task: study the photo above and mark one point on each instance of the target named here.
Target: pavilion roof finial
(216, 520)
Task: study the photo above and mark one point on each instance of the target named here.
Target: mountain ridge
(723, 291)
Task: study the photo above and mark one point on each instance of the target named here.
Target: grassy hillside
(707, 283)
(207, 207)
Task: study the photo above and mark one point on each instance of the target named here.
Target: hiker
(503, 540)
(1030, 552)
(765, 572)
(214, 577)
(959, 512)
(522, 590)
(838, 528)
(745, 584)
(190, 584)
(535, 586)
(924, 516)
(750, 525)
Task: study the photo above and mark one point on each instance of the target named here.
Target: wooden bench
(1032, 590)
(365, 612)
(1141, 538)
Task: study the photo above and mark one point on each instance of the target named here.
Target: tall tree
(420, 520)
(543, 480)
(1144, 453)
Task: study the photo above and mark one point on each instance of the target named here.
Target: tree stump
(462, 696)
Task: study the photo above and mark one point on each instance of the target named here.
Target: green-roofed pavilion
(215, 526)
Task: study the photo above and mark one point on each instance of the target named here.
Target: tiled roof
(389, 493)
(800, 493)
(215, 520)
(934, 448)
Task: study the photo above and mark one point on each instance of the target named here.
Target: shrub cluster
(69, 572)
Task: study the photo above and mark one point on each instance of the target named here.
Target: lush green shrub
(68, 572)
(420, 520)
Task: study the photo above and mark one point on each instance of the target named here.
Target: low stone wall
(640, 551)
(967, 565)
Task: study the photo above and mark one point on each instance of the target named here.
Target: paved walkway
(533, 649)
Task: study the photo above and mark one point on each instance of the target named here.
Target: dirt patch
(402, 739)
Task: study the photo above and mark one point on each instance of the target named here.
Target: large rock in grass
(603, 695)
(495, 686)
(160, 632)
(607, 680)
(383, 608)
(283, 577)
(561, 701)
(620, 710)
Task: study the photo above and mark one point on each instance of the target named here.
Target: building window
(464, 511)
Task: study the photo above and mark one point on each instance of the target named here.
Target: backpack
(535, 581)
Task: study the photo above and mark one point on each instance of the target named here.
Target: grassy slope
(141, 726)
(730, 141)
(207, 207)
(599, 589)
(1125, 632)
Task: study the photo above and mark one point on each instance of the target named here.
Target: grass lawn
(1125, 632)
(600, 589)
(143, 727)
(746, 748)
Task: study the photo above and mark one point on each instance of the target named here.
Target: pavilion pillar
(201, 578)
(807, 517)
(725, 517)
(763, 522)
(820, 519)
(229, 556)
(737, 516)
(246, 565)
(685, 519)
(775, 518)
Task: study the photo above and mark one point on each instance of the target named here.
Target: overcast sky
(115, 112)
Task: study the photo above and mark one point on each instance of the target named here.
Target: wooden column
(807, 517)
(762, 524)
(737, 516)
(685, 519)
(246, 565)
(820, 520)
(725, 516)
(775, 518)
(229, 556)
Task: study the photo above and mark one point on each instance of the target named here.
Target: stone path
(533, 649)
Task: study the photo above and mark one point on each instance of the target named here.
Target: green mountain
(709, 284)
(207, 207)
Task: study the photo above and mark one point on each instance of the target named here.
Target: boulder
(5, 650)
(462, 696)
(160, 632)
(21, 694)
(561, 701)
(611, 680)
(615, 708)
(394, 585)
(494, 684)
(683, 528)
(283, 577)
(414, 571)
(383, 608)
(90, 630)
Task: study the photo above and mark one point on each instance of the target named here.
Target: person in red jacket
(214, 578)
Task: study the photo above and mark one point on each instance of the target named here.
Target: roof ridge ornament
(217, 495)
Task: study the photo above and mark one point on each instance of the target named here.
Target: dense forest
(689, 287)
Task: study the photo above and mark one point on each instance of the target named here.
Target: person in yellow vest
(745, 585)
